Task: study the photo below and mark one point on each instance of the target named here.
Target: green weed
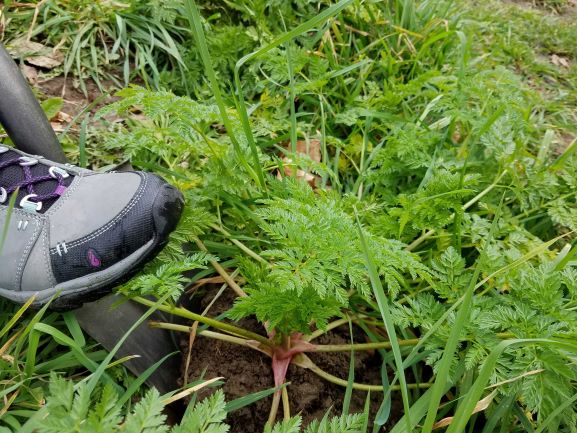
(433, 206)
(104, 40)
(437, 153)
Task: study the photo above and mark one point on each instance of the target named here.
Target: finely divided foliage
(317, 261)
(426, 159)
(429, 145)
(73, 409)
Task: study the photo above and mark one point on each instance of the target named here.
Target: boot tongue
(13, 175)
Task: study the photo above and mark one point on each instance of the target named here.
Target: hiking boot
(74, 233)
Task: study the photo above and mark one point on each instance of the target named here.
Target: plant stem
(211, 334)
(195, 20)
(329, 327)
(305, 362)
(285, 404)
(182, 312)
(239, 244)
(230, 281)
(363, 346)
(274, 409)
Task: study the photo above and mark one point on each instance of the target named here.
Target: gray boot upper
(101, 227)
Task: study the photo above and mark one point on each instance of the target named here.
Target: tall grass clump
(98, 40)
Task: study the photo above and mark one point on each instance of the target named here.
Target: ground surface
(246, 371)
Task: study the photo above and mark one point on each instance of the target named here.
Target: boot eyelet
(26, 161)
(3, 195)
(30, 206)
(57, 171)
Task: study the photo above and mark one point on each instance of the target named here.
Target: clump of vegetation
(374, 165)
(438, 185)
(112, 40)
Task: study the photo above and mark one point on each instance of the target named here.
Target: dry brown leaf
(479, 407)
(560, 61)
(189, 391)
(60, 121)
(63, 117)
(36, 53)
(30, 73)
(311, 148)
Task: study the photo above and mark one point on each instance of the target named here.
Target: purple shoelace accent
(30, 180)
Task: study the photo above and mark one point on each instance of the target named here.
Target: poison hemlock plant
(316, 262)
(343, 424)
(427, 148)
(73, 408)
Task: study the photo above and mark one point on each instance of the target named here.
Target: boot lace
(33, 200)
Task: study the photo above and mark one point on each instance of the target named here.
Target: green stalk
(282, 39)
(383, 303)
(329, 327)
(305, 362)
(11, 204)
(293, 115)
(467, 405)
(182, 312)
(239, 244)
(443, 371)
(208, 334)
(285, 404)
(466, 206)
(274, 409)
(221, 271)
(363, 346)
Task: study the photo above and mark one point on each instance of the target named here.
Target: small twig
(34, 19)
(233, 285)
(191, 338)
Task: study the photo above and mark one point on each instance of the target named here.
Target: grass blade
(249, 399)
(195, 20)
(383, 303)
(282, 39)
(454, 336)
(351, 378)
(9, 211)
(143, 377)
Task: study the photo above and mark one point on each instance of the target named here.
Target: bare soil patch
(247, 371)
